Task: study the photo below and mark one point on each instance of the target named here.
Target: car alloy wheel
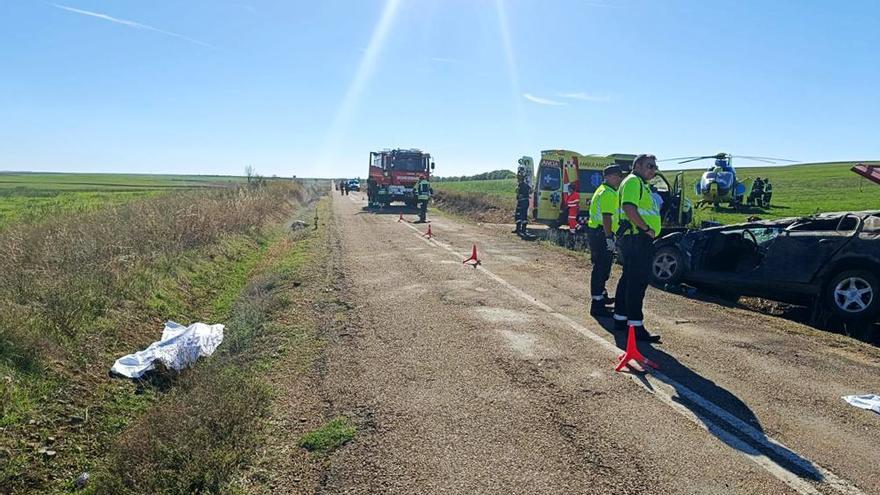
(853, 295)
(665, 266)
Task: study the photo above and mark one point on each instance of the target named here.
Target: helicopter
(719, 183)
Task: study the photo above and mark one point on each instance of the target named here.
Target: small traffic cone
(632, 353)
(400, 219)
(473, 257)
(429, 234)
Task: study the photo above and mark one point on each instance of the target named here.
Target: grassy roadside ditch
(212, 425)
(81, 291)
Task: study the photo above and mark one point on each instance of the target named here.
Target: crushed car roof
(789, 220)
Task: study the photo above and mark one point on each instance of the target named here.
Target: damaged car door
(792, 258)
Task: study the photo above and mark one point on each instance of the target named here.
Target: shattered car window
(872, 224)
(766, 234)
(659, 184)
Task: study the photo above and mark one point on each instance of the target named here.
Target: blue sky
(308, 88)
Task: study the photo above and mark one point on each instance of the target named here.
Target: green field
(797, 190)
(34, 196)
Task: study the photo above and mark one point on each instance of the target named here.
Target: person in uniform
(423, 192)
(758, 192)
(523, 193)
(640, 225)
(601, 228)
(768, 192)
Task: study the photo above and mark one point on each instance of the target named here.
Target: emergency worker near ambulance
(639, 226)
(602, 226)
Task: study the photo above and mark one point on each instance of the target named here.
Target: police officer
(523, 192)
(601, 227)
(423, 192)
(640, 225)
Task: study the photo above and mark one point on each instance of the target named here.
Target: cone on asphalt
(400, 219)
(429, 234)
(473, 257)
(632, 353)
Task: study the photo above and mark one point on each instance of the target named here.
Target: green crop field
(797, 190)
(34, 196)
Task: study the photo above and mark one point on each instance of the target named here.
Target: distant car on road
(354, 185)
(831, 258)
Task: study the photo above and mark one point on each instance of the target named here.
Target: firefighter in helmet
(423, 192)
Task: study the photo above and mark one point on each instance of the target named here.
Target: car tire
(853, 295)
(667, 266)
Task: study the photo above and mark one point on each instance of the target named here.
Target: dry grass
(77, 290)
(476, 206)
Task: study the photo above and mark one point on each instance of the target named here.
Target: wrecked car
(827, 258)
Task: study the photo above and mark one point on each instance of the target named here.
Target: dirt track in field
(496, 380)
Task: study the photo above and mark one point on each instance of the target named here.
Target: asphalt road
(496, 380)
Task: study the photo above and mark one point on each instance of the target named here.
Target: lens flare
(512, 73)
(348, 107)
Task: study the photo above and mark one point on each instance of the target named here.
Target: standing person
(602, 225)
(523, 192)
(642, 225)
(758, 192)
(423, 192)
(768, 192)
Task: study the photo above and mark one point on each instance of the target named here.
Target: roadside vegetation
(81, 289)
(329, 436)
(493, 175)
(797, 190)
(31, 197)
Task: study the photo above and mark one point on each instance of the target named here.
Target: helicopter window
(549, 179)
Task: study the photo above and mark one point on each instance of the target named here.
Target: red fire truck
(393, 173)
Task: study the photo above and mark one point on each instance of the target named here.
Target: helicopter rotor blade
(755, 159)
(679, 158)
(766, 158)
(697, 158)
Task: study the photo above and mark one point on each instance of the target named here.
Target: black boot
(525, 233)
(607, 301)
(644, 336)
(620, 325)
(598, 309)
(517, 229)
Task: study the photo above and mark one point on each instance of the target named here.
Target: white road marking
(663, 389)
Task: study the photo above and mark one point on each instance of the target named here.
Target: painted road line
(659, 384)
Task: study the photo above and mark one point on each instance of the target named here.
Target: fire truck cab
(394, 173)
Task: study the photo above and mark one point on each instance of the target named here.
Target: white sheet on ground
(870, 402)
(179, 348)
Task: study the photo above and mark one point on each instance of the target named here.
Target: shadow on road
(687, 382)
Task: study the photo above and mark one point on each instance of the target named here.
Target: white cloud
(542, 101)
(580, 95)
(131, 24)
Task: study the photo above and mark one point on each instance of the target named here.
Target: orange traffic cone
(632, 353)
(429, 234)
(473, 257)
(400, 219)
